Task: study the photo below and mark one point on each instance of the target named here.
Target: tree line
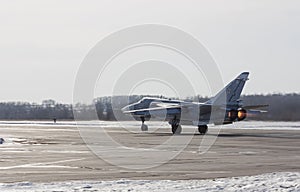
(282, 107)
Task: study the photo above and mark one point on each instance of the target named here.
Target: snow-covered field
(266, 125)
(266, 182)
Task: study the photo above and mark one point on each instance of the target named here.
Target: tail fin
(231, 93)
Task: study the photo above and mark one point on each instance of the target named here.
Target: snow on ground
(264, 125)
(285, 181)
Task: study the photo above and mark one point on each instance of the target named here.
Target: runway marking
(43, 165)
(56, 151)
(182, 172)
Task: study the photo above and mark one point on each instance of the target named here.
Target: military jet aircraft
(224, 108)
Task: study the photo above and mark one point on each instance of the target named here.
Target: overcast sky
(43, 42)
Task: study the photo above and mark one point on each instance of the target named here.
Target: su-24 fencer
(224, 108)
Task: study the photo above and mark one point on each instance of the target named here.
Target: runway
(44, 152)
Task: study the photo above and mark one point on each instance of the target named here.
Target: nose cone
(129, 108)
(126, 108)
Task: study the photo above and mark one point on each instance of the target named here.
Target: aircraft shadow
(235, 135)
(272, 135)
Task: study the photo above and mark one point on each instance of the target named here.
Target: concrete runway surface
(39, 153)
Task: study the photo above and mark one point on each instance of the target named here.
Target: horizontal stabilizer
(256, 111)
(255, 106)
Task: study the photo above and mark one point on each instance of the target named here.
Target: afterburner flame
(242, 114)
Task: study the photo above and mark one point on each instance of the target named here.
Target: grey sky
(44, 42)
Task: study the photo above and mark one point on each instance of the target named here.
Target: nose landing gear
(144, 127)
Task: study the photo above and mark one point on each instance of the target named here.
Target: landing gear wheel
(144, 127)
(176, 129)
(202, 129)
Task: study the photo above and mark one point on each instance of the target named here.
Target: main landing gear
(144, 127)
(202, 129)
(176, 129)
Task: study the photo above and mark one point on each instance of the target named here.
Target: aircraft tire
(176, 129)
(144, 127)
(202, 129)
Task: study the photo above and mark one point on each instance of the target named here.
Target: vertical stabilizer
(231, 93)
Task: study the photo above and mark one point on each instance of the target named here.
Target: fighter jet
(224, 108)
